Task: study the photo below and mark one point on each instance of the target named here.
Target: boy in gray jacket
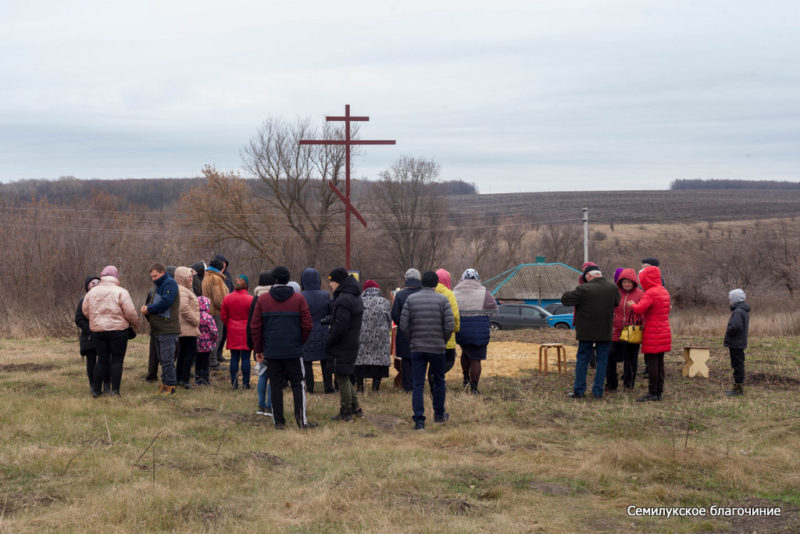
(736, 338)
(427, 321)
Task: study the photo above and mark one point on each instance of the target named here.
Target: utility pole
(585, 235)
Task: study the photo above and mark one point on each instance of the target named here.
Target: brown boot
(160, 389)
(169, 390)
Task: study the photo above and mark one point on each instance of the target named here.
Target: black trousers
(309, 374)
(152, 360)
(187, 354)
(201, 367)
(280, 371)
(737, 362)
(111, 347)
(221, 345)
(628, 355)
(327, 375)
(408, 375)
(91, 361)
(655, 373)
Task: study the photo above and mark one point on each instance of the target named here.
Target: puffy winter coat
(319, 304)
(738, 324)
(623, 316)
(427, 321)
(207, 340)
(345, 332)
(215, 289)
(257, 292)
(235, 312)
(654, 308)
(375, 341)
(445, 287)
(401, 343)
(190, 309)
(281, 324)
(594, 304)
(109, 307)
(476, 304)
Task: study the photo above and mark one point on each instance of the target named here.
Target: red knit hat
(371, 283)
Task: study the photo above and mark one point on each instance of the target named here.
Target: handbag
(131, 332)
(632, 334)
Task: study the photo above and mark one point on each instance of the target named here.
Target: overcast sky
(533, 95)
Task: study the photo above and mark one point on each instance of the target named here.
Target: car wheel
(494, 327)
(562, 326)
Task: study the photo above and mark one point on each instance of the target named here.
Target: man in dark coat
(594, 304)
(280, 325)
(413, 283)
(427, 320)
(343, 339)
(163, 313)
(736, 338)
(319, 304)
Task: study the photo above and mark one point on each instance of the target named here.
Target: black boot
(649, 397)
(738, 390)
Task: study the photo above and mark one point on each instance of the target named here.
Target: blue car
(563, 320)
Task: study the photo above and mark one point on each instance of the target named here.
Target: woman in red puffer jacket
(621, 351)
(657, 339)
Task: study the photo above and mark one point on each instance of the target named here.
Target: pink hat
(110, 270)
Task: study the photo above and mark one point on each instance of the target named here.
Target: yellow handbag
(632, 334)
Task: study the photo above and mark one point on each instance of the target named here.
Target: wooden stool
(561, 352)
(696, 358)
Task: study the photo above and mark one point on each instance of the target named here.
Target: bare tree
(785, 256)
(408, 210)
(561, 243)
(294, 178)
(225, 209)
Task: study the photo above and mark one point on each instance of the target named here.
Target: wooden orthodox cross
(347, 142)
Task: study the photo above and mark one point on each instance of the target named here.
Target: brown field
(518, 458)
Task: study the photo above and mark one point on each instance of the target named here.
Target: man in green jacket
(594, 304)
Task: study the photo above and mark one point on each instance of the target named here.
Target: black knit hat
(338, 275)
(281, 274)
(589, 269)
(216, 264)
(200, 269)
(651, 261)
(430, 279)
(266, 278)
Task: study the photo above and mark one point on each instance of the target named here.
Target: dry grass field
(518, 458)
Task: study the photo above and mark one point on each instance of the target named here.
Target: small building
(538, 283)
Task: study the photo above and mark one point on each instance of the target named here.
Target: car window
(530, 312)
(506, 309)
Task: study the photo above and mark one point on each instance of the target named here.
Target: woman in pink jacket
(657, 337)
(111, 313)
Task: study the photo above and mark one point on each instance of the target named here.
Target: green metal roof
(524, 282)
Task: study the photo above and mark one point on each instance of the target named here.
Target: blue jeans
(264, 393)
(166, 344)
(419, 368)
(582, 366)
(237, 355)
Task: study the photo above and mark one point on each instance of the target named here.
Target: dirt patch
(24, 367)
(387, 423)
(208, 513)
(788, 521)
(12, 503)
(267, 457)
(769, 379)
(26, 387)
(550, 489)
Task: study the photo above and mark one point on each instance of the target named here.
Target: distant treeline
(733, 184)
(148, 193)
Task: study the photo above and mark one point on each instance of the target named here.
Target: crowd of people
(196, 312)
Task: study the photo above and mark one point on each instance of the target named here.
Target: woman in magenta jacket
(627, 353)
(235, 311)
(657, 337)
